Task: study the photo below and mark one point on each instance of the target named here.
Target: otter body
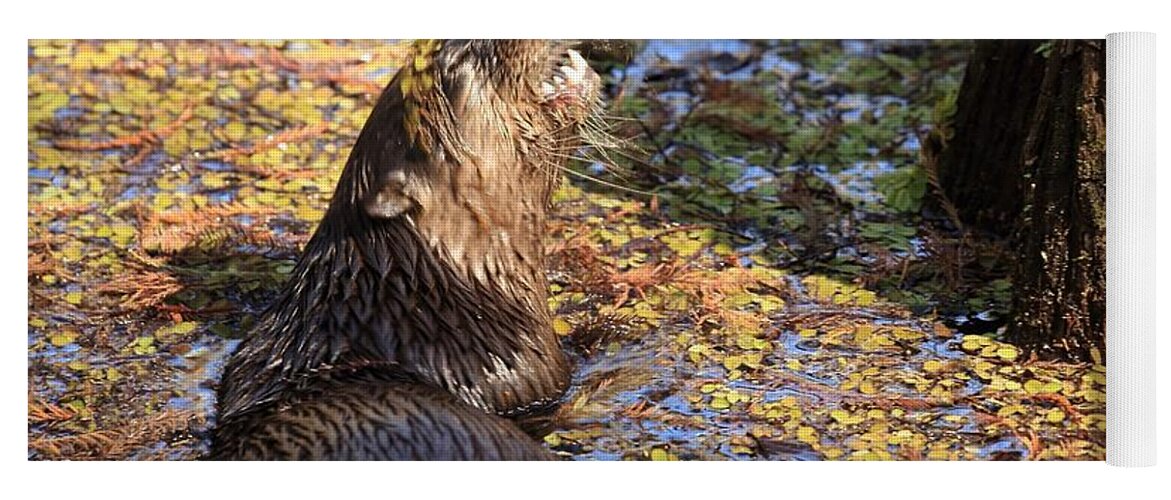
(374, 418)
(416, 318)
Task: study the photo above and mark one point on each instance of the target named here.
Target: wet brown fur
(417, 312)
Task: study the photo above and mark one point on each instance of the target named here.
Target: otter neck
(460, 294)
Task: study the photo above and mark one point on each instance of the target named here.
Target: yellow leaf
(907, 334)
(1003, 384)
(561, 326)
(752, 359)
(867, 387)
(733, 362)
(734, 397)
(972, 343)
(938, 454)
(807, 435)
(1034, 387)
(178, 329)
(1007, 353)
(1009, 410)
(64, 338)
(845, 418)
(932, 366)
(984, 369)
(235, 131)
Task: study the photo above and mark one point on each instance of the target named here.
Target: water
(667, 386)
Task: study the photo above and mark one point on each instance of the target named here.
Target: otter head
(511, 109)
(486, 125)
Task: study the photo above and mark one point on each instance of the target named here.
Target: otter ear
(392, 198)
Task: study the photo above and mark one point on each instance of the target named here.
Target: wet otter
(416, 318)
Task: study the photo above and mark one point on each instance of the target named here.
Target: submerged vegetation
(784, 282)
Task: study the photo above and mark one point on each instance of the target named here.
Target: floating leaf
(733, 362)
(143, 346)
(939, 454)
(1003, 384)
(846, 418)
(63, 338)
(178, 329)
(984, 369)
(974, 343)
(807, 435)
(720, 403)
(561, 326)
(1007, 353)
(867, 387)
(661, 455)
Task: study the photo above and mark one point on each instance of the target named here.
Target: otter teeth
(577, 60)
(571, 74)
(567, 77)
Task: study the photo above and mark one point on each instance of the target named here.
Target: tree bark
(1060, 278)
(981, 170)
(1046, 169)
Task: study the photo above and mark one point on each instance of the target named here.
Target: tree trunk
(981, 168)
(1052, 189)
(1060, 300)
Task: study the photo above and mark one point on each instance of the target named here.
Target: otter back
(371, 419)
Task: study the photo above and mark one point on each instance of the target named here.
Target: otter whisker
(602, 182)
(588, 157)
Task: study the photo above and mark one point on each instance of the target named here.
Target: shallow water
(763, 336)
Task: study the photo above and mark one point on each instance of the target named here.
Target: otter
(415, 324)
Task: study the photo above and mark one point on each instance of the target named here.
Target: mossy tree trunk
(1060, 300)
(1047, 182)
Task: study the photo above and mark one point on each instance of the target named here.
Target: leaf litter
(782, 293)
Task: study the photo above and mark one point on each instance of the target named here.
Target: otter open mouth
(572, 83)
